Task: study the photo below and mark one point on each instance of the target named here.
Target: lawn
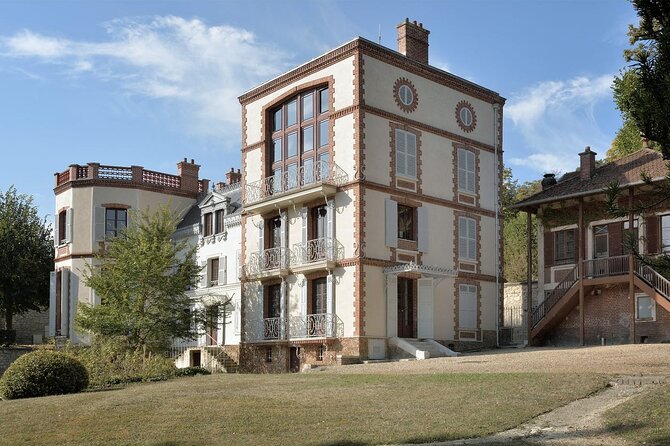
(645, 419)
(311, 409)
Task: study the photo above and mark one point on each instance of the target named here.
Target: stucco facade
(384, 225)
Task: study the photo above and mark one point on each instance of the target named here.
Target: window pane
(307, 138)
(323, 100)
(405, 222)
(276, 120)
(644, 308)
(308, 170)
(292, 173)
(324, 166)
(323, 133)
(411, 166)
(276, 185)
(292, 144)
(308, 106)
(291, 113)
(276, 150)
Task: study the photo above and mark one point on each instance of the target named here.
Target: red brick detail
(396, 95)
(460, 106)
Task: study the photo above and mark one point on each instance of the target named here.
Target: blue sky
(151, 82)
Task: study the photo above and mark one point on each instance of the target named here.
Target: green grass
(313, 409)
(644, 419)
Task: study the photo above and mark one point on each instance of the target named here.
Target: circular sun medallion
(465, 116)
(405, 95)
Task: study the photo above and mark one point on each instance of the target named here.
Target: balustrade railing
(552, 299)
(161, 179)
(115, 173)
(292, 180)
(268, 259)
(653, 278)
(324, 248)
(607, 266)
(324, 325)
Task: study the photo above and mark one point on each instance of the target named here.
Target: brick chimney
(233, 177)
(587, 163)
(189, 175)
(413, 41)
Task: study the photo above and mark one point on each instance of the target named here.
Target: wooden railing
(556, 294)
(607, 266)
(653, 278)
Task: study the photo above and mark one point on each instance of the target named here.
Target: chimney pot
(548, 180)
(587, 163)
(413, 41)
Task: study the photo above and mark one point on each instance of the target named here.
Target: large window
(466, 171)
(564, 246)
(665, 233)
(208, 229)
(600, 241)
(219, 221)
(405, 148)
(213, 271)
(319, 296)
(62, 227)
(406, 223)
(467, 307)
(467, 238)
(645, 308)
(115, 221)
(300, 140)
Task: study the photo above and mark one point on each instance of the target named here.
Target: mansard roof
(233, 192)
(626, 171)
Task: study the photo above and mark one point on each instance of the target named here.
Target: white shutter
(203, 274)
(391, 223)
(69, 218)
(65, 302)
(221, 322)
(282, 310)
(202, 333)
(330, 302)
(422, 225)
(236, 317)
(472, 239)
(56, 241)
(303, 214)
(52, 302)
(401, 150)
(261, 232)
(330, 229)
(283, 234)
(467, 307)
(411, 155)
(391, 306)
(425, 309)
(99, 230)
(303, 307)
(223, 270)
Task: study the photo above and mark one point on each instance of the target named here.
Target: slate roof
(192, 217)
(625, 171)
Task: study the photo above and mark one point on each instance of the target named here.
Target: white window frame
(404, 92)
(405, 157)
(467, 239)
(652, 318)
(467, 179)
(665, 241)
(467, 292)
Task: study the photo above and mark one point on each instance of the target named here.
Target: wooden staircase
(565, 296)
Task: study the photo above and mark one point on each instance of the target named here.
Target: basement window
(645, 308)
(268, 354)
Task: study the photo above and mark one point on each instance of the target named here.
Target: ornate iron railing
(607, 266)
(317, 250)
(326, 325)
(268, 259)
(321, 172)
(552, 299)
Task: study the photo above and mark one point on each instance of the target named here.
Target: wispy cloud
(200, 68)
(556, 118)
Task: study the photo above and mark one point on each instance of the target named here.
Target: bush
(110, 361)
(7, 337)
(42, 373)
(192, 371)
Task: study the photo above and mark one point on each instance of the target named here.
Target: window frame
(565, 246)
(664, 247)
(207, 224)
(604, 233)
(404, 155)
(213, 272)
(470, 239)
(411, 211)
(652, 302)
(219, 216)
(62, 226)
(470, 290)
(464, 173)
(117, 228)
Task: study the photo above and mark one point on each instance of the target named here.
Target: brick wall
(608, 316)
(32, 322)
(9, 355)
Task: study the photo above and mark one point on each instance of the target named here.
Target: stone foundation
(9, 355)
(29, 324)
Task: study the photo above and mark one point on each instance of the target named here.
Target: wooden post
(631, 268)
(580, 269)
(529, 274)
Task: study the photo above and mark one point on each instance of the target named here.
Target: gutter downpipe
(498, 185)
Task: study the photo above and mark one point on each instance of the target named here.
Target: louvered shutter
(651, 234)
(52, 302)
(56, 232)
(330, 229)
(411, 154)
(203, 274)
(99, 217)
(422, 225)
(65, 302)
(391, 306)
(425, 308)
(69, 219)
(391, 223)
(223, 270)
(330, 303)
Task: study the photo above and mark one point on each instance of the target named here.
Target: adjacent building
(370, 225)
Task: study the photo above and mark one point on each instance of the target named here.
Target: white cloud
(201, 68)
(556, 119)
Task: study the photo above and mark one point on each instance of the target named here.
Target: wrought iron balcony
(316, 252)
(326, 325)
(268, 262)
(307, 182)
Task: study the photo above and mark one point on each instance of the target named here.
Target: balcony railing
(606, 266)
(317, 250)
(324, 325)
(321, 172)
(267, 260)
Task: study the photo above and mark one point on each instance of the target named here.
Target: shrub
(192, 371)
(111, 361)
(7, 337)
(42, 373)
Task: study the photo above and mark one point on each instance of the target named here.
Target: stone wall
(515, 296)
(29, 324)
(9, 355)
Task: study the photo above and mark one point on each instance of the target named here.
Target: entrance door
(406, 321)
(212, 314)
(294, 365)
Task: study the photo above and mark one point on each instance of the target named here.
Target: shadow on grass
(641, 430)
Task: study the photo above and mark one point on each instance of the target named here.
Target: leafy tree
(642, 91)
(142, 282)
(515, 230)
(26, 256)
(627, 141)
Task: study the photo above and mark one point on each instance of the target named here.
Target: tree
(515, 228)
(642, 91)
(26, 256)
(627, 141)
(142, 279)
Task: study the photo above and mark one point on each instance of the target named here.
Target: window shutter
(303, 214)
(472, 239)
(391, 223)
(203, 274)
(330, 303)
(261, 233)
(303, 298)
(236, 317)
(223, 270)
(401, 150)
(283, 231)
(330, 230)
(651, 234)
(425, 308)
(282, 310)
(391, 306)
(56, 241)
(411, 155)
(615, 239)
(65, 302)
(548, 248)
(69, 218)
(422, 225)
(99, 230)
(52, 301)
(467, 307)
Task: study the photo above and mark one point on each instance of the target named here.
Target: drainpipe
(496, 194)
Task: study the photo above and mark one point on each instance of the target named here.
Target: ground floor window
(645, 308)
(467, 307)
